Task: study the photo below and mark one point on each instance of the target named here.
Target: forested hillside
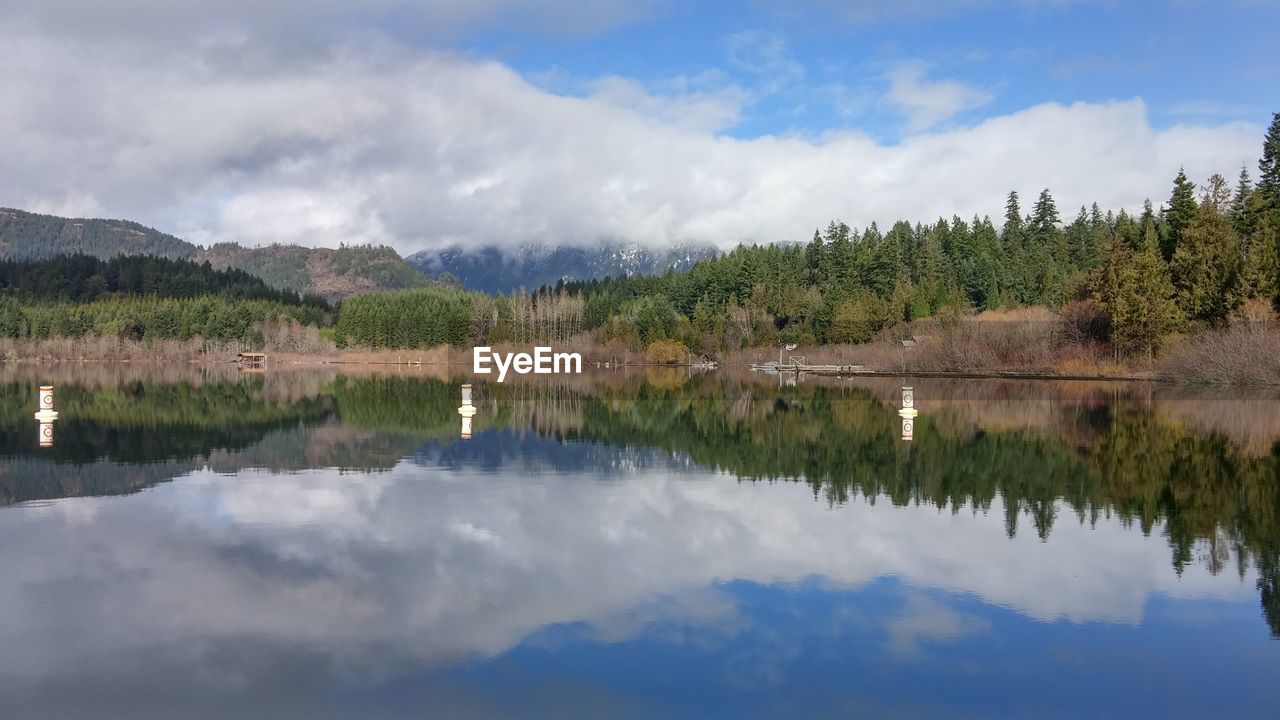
(30, 236)
(493, 269)
(332, 273)
(83, 278)
(144, 298)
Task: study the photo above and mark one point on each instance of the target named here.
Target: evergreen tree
(12, 321)
(887, 268)
(1135, 291)
(1179, 214)
(1243, 214)
(815, 257)
(1262, 260)
(1080, 241)
(1049, 251)
(988, 271)
(1207, 267)
(1128, 230)
(1269, 166)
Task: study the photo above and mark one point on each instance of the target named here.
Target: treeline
(85, 279)
(449, 316)
(149, 318)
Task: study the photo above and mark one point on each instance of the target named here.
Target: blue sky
(817, 68)
(448, 122)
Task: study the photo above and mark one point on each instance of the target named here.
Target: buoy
(45, 433)
(44, 404)
(467, 411)
(908, 413)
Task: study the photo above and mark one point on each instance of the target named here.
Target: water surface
(309, 545)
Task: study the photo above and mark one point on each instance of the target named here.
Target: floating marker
(44, 404)
(467, 411)
(45, 433)
(908, 412)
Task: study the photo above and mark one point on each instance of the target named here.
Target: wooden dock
(774, 367)
(252, 360)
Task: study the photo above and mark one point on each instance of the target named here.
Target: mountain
(493, 269)
(29, 236)
(334, 273)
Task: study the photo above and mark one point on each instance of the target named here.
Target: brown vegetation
(1243, 354)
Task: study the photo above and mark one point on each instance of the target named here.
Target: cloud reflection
(367, 573)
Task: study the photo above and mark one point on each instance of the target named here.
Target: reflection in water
(45, 415)
(467, 411)
(908, 412)
(589, 552)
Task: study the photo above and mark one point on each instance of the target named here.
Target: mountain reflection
(345, 533)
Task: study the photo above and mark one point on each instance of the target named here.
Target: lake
(665, 544)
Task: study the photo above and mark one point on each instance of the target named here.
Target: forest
(84, 279)
(143, 298)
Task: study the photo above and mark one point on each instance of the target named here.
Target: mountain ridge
(492, 269)
(333, 273)
(339, 272)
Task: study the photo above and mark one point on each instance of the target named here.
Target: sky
(443, 122)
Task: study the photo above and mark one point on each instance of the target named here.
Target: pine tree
(1206, 268)
(1243, 216)
(988, 268)
(1011, 234)
(1217, 194)
(886, 269)
(1179, 214)
(1262, 260)
(1269, 166)
(1080, 241)
(1014, 246)
(1135, 291)
(815, 258)
(1049, 251)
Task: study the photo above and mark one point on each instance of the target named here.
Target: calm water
(663, 546)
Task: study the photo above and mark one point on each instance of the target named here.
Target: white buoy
(908, 412)
(45, 433)
(44, 404)
(467, 411)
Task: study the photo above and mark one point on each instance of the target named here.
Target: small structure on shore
(252, 360)
(45, 415)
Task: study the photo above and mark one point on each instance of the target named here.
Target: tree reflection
(1110, 455)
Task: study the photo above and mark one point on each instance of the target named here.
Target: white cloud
(689, 103)
(925, 104)
(375, 142)
(764, 55)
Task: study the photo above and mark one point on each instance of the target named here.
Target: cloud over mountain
(360, 137)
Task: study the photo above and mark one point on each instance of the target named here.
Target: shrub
(665, 352)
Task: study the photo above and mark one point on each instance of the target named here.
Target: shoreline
(356, 362)
(458, 360)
